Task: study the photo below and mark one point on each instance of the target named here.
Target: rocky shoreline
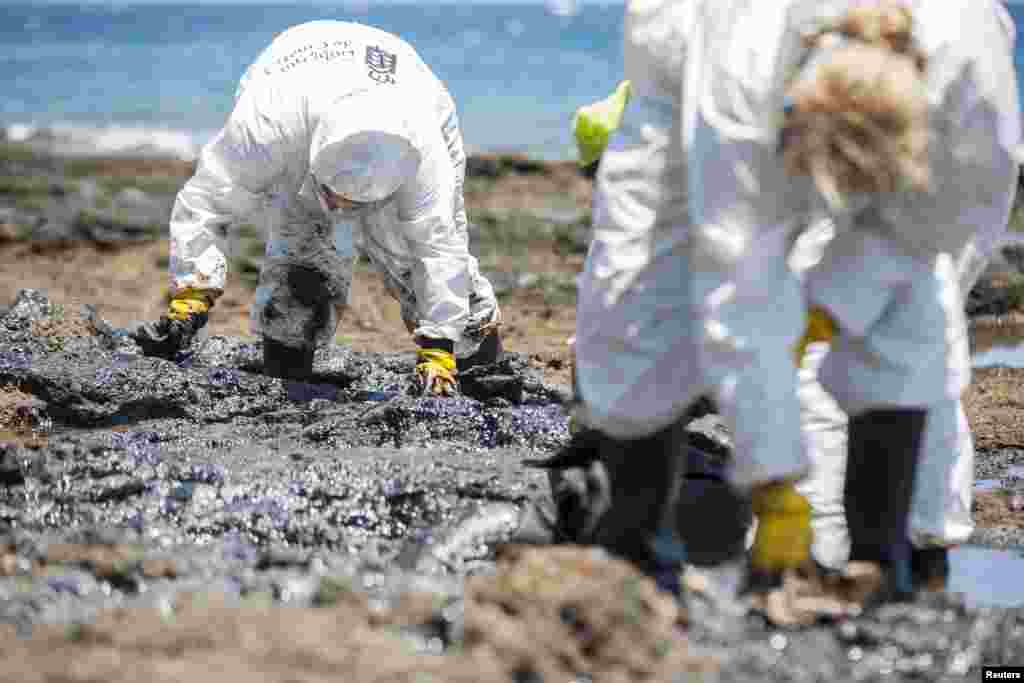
(197, 520)
(202, 492)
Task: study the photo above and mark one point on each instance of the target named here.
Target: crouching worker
(345, 142)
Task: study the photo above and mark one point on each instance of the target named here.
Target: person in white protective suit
(897, 121)
(640, 228)
(345, 141)
(643, 150)
(940, 513)
(974, 179)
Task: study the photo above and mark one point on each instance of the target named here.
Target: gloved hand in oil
(435, 370)
(187, 313)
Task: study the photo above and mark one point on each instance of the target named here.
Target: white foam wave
(562, 8)
(71, 139)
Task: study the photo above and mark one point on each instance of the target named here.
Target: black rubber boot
(883, 447)
(286, 362)
(490, 351)
(712, 518)
(640, 523)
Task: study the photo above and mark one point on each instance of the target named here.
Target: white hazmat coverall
(652, 338)
(896, 283)
(943, 491)
(636, 336)
(357, 109)
(981, 106)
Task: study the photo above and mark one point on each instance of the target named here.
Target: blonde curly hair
(858, 122)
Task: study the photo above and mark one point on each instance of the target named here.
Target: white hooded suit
(356, 108)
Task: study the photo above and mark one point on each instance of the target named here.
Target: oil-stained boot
(712, 517)
(640, 523)
(884, 447)
(490, 351)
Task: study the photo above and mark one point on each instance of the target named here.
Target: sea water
(152, 77)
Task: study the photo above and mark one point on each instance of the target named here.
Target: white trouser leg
(824, 427)
(940, 514)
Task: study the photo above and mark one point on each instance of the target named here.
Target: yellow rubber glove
(436, 370)
(783, 538)
(820, 328)
(189, 302)
(593, 123)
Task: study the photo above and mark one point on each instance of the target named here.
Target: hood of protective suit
(363, 147)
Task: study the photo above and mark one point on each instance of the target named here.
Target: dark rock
(487, 387)
(987, 299)
(10, 468)
(277, 557)
(117, 488)
(1013, 254)
(496, 166)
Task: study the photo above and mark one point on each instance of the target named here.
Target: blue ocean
(147, 77)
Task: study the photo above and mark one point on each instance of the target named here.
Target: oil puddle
(987, 577)
(1000, 346)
